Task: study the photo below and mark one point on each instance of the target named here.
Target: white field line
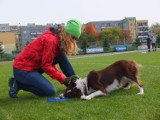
(92, 64)
(97, 55)
(153, 66)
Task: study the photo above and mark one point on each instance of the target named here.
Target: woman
(41, 55)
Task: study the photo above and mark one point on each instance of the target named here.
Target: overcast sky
(17, 12)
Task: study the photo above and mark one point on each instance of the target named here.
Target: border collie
(121, 74)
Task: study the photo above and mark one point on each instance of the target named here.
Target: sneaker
(13, 88)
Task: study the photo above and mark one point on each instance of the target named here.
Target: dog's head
(75, 89)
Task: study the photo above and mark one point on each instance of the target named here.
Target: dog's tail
(137, 65)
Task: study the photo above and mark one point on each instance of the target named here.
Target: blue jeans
(36, 83)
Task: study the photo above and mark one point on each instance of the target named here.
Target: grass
(119, 105)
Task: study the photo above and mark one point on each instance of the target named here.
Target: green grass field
(119, 105)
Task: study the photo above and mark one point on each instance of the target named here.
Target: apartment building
(106, 24)
(142, 29)
(128, 23)
(30, 32)
(17, 37)
(9, 37)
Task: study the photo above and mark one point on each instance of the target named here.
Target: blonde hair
(67, 44)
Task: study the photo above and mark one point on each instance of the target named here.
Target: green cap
(73, 27)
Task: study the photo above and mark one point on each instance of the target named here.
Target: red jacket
(40, 54)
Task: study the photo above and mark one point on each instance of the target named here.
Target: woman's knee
(50, 92)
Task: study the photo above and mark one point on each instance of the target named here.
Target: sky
(41, 12)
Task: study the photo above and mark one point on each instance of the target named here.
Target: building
(30, 32)
(106, 24)
(15, 38)
(128, 23)
(142, 29)
(9, 37)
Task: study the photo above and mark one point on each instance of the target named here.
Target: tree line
(109, 36)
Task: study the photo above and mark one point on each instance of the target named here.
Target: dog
(121, 74)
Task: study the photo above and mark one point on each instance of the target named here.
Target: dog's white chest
(113, 86)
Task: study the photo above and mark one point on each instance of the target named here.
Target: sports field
(119, 105)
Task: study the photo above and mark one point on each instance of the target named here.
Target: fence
(6, 57)
(111, 49)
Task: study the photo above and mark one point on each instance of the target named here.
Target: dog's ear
(93, 74)
(72, 83)
(74, 78)
(93, 78)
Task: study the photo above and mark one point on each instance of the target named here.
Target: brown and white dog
(121, 74)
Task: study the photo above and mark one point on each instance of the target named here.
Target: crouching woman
(42, 55)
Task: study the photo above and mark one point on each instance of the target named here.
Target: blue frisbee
(57, 99)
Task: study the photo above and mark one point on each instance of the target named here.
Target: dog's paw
(126, 88)
(140, 93)
(61, 96)
(85, 97)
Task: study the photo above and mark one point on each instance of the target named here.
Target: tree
(107, 33)
(27, 43)
(111, 34)
(158, 39)
(2, 51)
(106, 43)
(2, 48)
(116, 33)
(126, 35)
(91, 31)
(137, 42)
(104, 39)
(155, 28)
(83, 41)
